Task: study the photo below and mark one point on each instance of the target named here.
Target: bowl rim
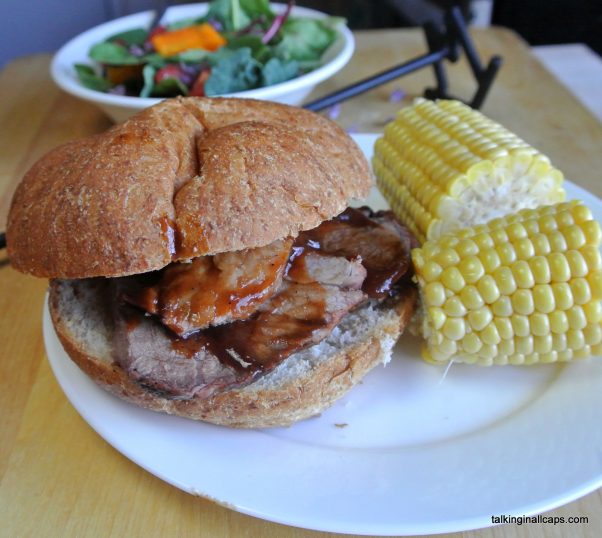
(60, 64)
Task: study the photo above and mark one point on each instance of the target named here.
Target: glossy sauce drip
(258, 344)
(352, 234)
(221, 288)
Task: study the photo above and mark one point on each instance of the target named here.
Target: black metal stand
(443, 44)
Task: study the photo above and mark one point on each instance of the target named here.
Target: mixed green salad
(238, 45)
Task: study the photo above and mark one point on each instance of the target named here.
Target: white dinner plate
(408, 451)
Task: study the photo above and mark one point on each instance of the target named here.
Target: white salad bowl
(119, 107)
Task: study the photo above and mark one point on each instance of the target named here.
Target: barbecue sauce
(190, 296)
(250, 347)
(258, 344)
(353, 233)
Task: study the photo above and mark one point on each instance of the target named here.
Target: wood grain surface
(58, 477)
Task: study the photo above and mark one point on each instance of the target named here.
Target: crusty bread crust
(205, 175)
(293, 392)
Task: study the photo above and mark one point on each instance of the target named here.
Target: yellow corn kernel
(516, 231)
(484, 241)
(576, 318)
(581, 214)
(551, 356)
(434, 293)
(490, 260)
(575, 339)
(436, 316)
(496, 237)
(543, 298)
(522, 274)
(502, 307)
(595, 285)
(547, 224)
(539, 324)
(488, 289)
(505, 303)
(487, 354)
(454, 307)
(505, 280)
(516, 359)
(541, 245)
(471, 343)
(564, 219)
(559, 341)
(563, 297)
(560, 270)
(524, 249)
(592, 232)
(432, 271)
(559, 322)
(504, 328)
(490, 335)
(540, 269)
(565, 355)
(577, 263)
(580, 290)
(557, 242)
(574, 237)
(520, 325)
(471, 298)
(472, 269)
(582, 353)
(454, 328)
(543, 343)
(593, 311)
(592, 334)
(452, 279)
(506, 347)
(447, 257)
(467, 247)
(522, 302)
(524, 345)
(480, 318)
(444, 167)
(507, 253)
(592, 257)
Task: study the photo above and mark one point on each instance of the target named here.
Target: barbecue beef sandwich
(203, 260)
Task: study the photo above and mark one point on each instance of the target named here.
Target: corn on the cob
(521, 289)
(443, 166)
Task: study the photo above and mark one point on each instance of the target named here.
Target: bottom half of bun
(302, 386)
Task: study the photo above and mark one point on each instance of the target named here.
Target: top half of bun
(185, 178)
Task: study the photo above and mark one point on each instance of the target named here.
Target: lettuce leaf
(148, 76)
(169, 87)
(260, 52)
(305, 39)
(114, 54)
(257, 8)
(137, 36)
(232, 71)
(90, 79)
(276, 71)
(229, 13)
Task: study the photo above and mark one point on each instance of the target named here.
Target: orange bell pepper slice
(202, 36)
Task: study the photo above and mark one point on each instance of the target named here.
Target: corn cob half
(442, 166)
(522, 289)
